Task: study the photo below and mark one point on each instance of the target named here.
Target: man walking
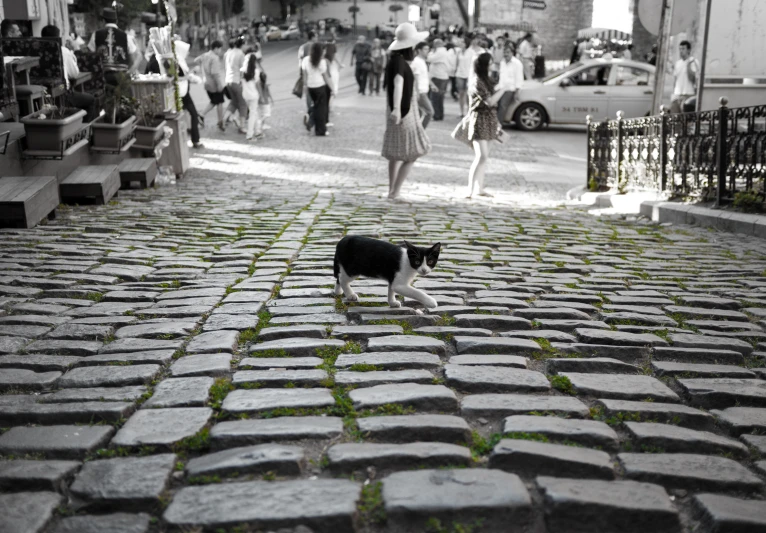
(233, 60)
(361, 54)
(685, 76)
(439, 62)
(511, 77)
(422, 82)
(212, 67)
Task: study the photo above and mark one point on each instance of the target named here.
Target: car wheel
(530, 117)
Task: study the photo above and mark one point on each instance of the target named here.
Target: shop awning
(522, 26)
(603, 33)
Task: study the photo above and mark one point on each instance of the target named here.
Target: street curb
(622, 203)
(729, 221)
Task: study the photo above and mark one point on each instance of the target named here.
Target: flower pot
(148, 135)
(48, 134)
(109, 136)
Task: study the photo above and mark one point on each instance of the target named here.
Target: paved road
(528, 168)
(176, 360)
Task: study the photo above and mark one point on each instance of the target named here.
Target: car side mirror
(566, 82)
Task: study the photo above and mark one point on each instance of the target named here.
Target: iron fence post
(721, 150)
(587, 149)
(620, 114)
(663, 147)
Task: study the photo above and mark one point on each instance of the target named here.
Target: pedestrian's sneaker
(330, 125)
(306, 121)
(266, 127)
(198, 146)
(221, 126)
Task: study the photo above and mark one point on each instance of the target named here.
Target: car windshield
(564, 70)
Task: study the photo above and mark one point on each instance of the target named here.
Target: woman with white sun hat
(405, 139)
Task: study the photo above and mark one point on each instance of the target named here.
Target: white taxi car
(595, 87)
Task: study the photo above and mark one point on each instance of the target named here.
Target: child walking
(264, 101)
(250, 95)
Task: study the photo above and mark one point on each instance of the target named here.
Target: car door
(583, 93)
(631, 92)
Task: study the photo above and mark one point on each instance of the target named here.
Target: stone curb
(729, 221)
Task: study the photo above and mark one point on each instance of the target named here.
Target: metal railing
(708, 155)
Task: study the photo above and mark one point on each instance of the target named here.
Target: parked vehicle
(594, 87)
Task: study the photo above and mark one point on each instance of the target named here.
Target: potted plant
(48, 128)
(111, 129)
(151, 121)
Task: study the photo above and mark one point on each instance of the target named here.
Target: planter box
(109, 136)
(47, 134)
(148, 136)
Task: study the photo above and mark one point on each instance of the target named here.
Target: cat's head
(423, 259)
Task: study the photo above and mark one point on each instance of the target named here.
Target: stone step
(98, 182)
(25, 201)
(583, 432)
(669, 438)
(288, 428)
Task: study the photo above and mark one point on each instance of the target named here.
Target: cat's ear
(435, 249)
(410, 246)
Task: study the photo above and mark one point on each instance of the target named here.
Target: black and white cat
(361, 256)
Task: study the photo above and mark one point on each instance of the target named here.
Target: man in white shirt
(422, 82)
(511, 79)
(80, 100)
(439, 62)
(685, 77)
(233, 60)
(497, 52)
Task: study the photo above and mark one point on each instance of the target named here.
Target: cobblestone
(215, 296)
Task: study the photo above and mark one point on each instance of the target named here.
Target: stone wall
(557, 25)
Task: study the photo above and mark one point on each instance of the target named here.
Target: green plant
(150, 110)
(370, 506)
(196, 443)
(561, 383)
(119, 104)
(221, 387)
(749, 201)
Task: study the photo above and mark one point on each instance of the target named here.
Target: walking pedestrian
(439, 62)
(361, 54)
(334, 67)
(378, 58)
(317, 82)
(480, 125)
(213, 69)
(684, 77)
(303, 52)
(250, 73)
(264, 101)
(233, 61)
(498, 53)
(511, 79)
(462, 72)
(405, 140)
(422, 82)
(452, 52)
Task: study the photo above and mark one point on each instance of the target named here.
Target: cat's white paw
(394, 303)
(353, 297)
(338, 290)
(429, 302)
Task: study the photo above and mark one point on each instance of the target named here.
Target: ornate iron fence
(709, 155)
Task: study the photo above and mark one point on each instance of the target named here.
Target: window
(633, 76)
(598, 75)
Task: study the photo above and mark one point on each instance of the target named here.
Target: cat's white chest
(406, 273)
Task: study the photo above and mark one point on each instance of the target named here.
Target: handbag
(298, 88)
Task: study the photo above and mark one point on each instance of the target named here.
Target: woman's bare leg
(404, 171)
(393, 169)
(476, 174)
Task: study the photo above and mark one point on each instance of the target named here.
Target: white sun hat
(407, 36)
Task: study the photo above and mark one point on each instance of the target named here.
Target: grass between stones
(406, 326)
(371, 509)
(562, 383)
(434, 525)
(481, 446)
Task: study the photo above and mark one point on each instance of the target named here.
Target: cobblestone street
(176, 360)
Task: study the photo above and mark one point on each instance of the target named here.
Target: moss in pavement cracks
(562, 384)
(221, 387)
(406, 326)
(371, 508)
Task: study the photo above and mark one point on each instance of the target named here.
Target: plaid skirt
(407, 140)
